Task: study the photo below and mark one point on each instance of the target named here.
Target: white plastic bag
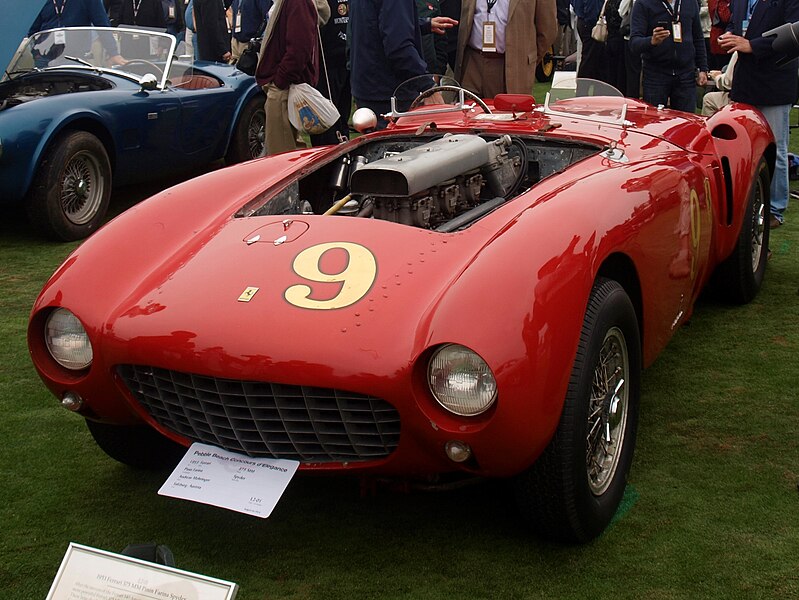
(309, 110)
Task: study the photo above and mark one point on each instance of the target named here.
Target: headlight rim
(481, 411)
(70, 365)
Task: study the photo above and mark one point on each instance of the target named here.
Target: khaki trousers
(280, 135)
(236, 48)
(483, 74)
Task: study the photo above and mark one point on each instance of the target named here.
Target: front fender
(24, 148)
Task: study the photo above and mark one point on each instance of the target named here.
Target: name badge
(171, 12)
(60, 37)
(744, 26)
(677, 32)
(489, 36)
(237, 28)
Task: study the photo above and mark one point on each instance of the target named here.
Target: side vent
(725, 169)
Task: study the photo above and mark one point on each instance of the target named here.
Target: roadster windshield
(133, 53)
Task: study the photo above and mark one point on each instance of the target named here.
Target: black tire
(739, 278)
(565, 495)
(72, 188)
(250, 133)
(545, 70)
(137, 446)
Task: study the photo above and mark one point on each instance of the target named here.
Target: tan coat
(531, 31)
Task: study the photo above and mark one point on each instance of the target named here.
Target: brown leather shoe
(774, 222)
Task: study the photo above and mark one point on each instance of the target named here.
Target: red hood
(188, 310)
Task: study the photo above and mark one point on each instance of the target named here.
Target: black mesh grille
(302, 423)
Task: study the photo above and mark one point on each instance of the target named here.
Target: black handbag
(248, 61)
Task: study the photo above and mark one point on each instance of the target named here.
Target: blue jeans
(675, 91)
(778, 118)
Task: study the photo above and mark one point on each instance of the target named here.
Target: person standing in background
(249, 20)
(78, 13)
(386, 50)
(334, 80)
(434, 46)
(452, 10)
(175, 18)
(289, 54)
(144, 13)
(760, 81)
(139, 13)
(593, 56)
(720, 15)
(501, 42)
(213, 37)
(670, 40)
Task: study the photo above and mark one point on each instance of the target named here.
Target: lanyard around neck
(59, 11)
(136, 7)
(674, 13)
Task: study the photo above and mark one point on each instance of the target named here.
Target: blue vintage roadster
(72, 125)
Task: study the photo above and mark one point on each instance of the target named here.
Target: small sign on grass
(90, 574)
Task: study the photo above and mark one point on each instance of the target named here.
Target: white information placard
(210, 475)
(91, 574)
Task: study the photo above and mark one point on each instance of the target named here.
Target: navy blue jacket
(385, 47)
(253, 16)
(757, 79)
(669, 57)
(77, 13)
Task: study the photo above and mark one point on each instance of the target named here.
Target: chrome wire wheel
(256, 133)
(758, 222)
(82, 187)
(607, 412)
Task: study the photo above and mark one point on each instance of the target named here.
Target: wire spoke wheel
(607, 413)
(249, 134)
(573, 490)
(256, 133)
(758, 222)
(82, 188)
(72, 187)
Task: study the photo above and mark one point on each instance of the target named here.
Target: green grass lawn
(712, 509)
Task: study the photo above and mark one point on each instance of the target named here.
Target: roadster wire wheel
(759, 213)
(250, 133)
(72, 187)
(607, 412)
(572, 492)
(82, 188)
(256, 133)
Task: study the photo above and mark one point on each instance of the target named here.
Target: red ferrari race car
(473, 290)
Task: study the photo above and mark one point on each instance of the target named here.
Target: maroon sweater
(291, 54)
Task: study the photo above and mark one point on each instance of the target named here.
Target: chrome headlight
(67, 340)
(461, 381)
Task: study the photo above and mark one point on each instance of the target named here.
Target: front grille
(307, 424)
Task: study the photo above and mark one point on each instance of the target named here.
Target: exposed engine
(430, 184)
(42, 85)
(444, 183)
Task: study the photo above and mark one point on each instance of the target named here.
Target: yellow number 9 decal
(356, 278)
